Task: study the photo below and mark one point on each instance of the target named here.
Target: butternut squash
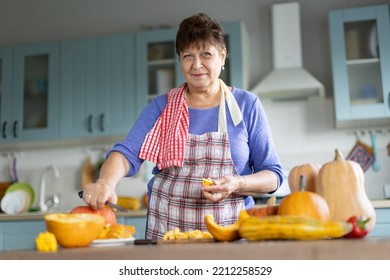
(309, 170)
(341, 183)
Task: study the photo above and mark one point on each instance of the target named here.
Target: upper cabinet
(93, 87)
(360, 46)
(97, 86)
(158, 66)
(29, 92)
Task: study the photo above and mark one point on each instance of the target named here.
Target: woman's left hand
(221, 188)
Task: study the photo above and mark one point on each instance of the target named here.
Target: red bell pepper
(359, 227)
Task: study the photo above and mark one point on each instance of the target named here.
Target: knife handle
(145, 242)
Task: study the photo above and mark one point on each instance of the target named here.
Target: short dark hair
(199, 29)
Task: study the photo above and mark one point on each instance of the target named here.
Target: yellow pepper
(46, 242)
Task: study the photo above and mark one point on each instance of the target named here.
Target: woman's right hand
(114, 168)
(97, 194)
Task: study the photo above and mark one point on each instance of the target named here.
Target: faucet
(42, 205)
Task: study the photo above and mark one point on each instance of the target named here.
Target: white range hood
(288, 80)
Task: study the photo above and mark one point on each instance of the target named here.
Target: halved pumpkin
(74, 230)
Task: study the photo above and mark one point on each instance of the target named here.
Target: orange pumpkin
(309, 170)
(74, 230)
(341, 183)
(305, 203)
(106, 212)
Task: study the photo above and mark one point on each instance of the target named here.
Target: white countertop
(385, 203)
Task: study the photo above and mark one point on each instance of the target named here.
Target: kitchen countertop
(337, 249)
(38, 216)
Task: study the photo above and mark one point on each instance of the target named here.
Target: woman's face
(201, 66)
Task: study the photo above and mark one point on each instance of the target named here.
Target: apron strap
(235, 112)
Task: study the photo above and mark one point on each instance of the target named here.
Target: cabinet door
(20, 235)
(6, 94)
(140, 226)
(78, 88)
(115, 84)
(34, 93)
(360, 44)
(236, 66)
(382, 226)
(158, 68)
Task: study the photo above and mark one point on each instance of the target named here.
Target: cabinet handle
(5, 129)
(89, 124)
(15, 129)
(101, 122)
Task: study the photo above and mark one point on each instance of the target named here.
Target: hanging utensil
(362, 153)
(375, 166)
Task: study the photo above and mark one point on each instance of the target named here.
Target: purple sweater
(251, 141)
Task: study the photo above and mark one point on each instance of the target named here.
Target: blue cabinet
(19, 235)
(29, 92)
(6, 115)
(97, 86)
(360, 47)
(158, 67)
(138, 222)
(93, 87)
(382, 225)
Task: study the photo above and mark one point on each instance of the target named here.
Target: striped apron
(176, 200)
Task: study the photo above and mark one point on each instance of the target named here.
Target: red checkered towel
(164, 144)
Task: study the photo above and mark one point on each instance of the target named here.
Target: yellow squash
(225, 233)
(129, 202)
(291, 228)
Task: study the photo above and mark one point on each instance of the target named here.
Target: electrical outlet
(386, 189)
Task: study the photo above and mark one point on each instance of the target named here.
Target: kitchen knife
(109, 203)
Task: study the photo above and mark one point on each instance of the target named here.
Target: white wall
(303, 130)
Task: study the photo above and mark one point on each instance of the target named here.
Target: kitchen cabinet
(97, 86)
(382, 225)
(158, 67)
(29, 92)
(360, 48)
(19, 235)
(138, 222)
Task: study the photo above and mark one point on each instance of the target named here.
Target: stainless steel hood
(288, 80)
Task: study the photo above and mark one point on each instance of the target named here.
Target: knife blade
(109, 203)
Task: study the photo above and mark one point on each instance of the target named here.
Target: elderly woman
(201, 129)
